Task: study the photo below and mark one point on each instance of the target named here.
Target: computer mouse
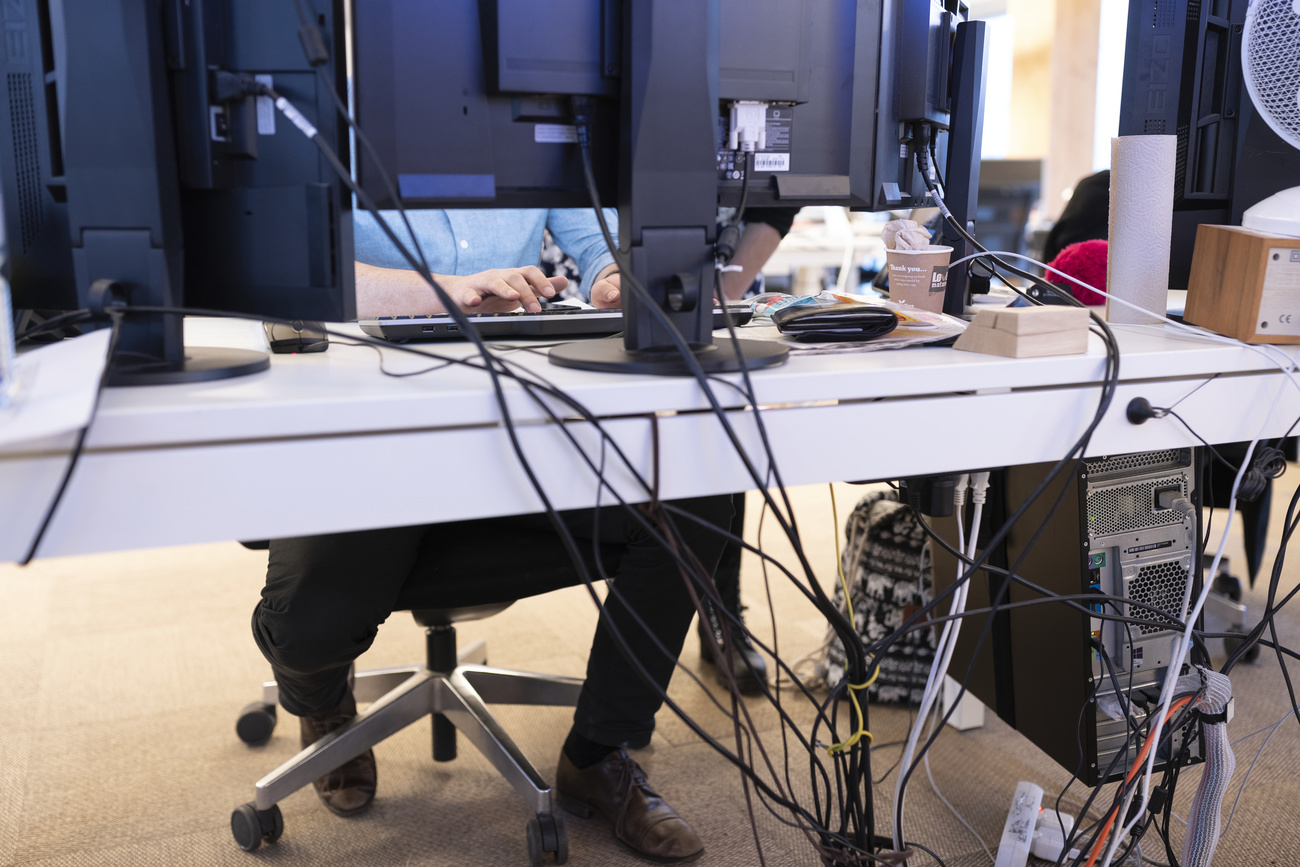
(303, 335)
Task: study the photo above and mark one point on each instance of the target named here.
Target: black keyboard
(559, 321)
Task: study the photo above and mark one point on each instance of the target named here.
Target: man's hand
(605, 291)
(502, 289)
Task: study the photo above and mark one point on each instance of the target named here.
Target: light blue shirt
(462, 242)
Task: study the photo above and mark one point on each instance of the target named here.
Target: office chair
(454, 688)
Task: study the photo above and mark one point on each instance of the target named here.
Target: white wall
(997, 94)
(1110, 70)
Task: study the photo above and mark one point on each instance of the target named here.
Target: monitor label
(265, 108)
(774, 156)
(1279, 305)
(555, 133)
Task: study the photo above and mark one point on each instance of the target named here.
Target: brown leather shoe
(616, 788)
(348, 789)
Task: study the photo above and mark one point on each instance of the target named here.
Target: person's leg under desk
(324, 599)
(617, 707)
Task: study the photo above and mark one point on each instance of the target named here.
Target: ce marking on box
(1286, 319)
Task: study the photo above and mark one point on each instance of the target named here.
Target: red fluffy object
(1084, 261)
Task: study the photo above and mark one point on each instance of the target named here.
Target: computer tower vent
(27, 160)
(1193, 10)
(1164, 14)
(1154, 127)
(1124, 508)
(1161, 585)
(1181, 146)
(1169, 459)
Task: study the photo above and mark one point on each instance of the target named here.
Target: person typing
(326, 596)
(485, 260)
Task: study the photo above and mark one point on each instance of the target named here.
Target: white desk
(324, 443)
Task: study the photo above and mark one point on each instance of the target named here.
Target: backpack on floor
(886, 562)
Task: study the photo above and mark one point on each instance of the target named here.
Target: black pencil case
(817, 324)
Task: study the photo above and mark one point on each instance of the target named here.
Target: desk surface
(325, 442)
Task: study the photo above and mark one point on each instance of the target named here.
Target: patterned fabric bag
(886, 563)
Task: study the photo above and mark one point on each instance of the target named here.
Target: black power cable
(492, 365)
(115, 317)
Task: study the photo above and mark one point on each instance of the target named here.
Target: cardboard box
(1027, 332)
(1245, 284)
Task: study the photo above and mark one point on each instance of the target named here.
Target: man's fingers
(543, 286)
(606, 293)
(527, 292)
(538, 284)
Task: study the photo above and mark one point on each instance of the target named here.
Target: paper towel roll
(1141, 222)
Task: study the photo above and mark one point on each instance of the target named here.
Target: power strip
(1022, 820)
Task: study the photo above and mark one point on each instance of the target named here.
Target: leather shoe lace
(616, 788)
(349, 788)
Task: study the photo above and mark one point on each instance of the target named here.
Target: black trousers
(325, 597)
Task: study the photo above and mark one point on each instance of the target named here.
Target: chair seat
(470, 564)
(447, 616)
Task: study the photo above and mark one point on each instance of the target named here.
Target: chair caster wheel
(545, 833)
(251, 826)
(1231, 645)
(255, 724)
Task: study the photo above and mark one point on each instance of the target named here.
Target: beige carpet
(124, 674)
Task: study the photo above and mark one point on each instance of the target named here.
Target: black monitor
(1008, 192)
(1182, 76)
(129, 170)
(469, 104)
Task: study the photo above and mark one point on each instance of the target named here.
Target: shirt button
(464, 245)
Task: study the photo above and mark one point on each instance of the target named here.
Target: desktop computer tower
(1098, 527)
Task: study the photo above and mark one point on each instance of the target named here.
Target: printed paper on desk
(55, 391)
(916, 328)
(8, 385)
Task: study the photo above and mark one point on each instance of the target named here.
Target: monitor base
(724, 355)
(201, 364)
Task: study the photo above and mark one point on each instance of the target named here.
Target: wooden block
(1034, 320)
(1027, 332)
(1245, 284)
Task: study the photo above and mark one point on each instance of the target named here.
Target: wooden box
(1027, 332)
(1245, 284)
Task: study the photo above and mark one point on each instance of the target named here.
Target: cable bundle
(1203, 821)
(840, 823)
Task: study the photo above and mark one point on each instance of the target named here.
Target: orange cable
(1132, 772)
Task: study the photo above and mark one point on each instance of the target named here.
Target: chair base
(403, 695)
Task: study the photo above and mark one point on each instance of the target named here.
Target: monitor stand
(723, 355)
(151, 351)
(200, 364)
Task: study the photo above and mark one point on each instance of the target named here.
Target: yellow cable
(839, 560)
(848, 604)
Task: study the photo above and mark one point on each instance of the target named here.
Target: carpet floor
(124, 674)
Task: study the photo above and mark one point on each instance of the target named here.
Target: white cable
(1268, 728)
(1251, 769)
(946, 803)
(1286, 363)
(1288, 367)
(944, 649)
(1183, 643)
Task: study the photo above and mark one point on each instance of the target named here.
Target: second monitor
(470, 105)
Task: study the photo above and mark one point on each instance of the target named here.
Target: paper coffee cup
(919, 277)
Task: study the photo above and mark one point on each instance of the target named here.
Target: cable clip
(1140, 409)
(105, 294)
